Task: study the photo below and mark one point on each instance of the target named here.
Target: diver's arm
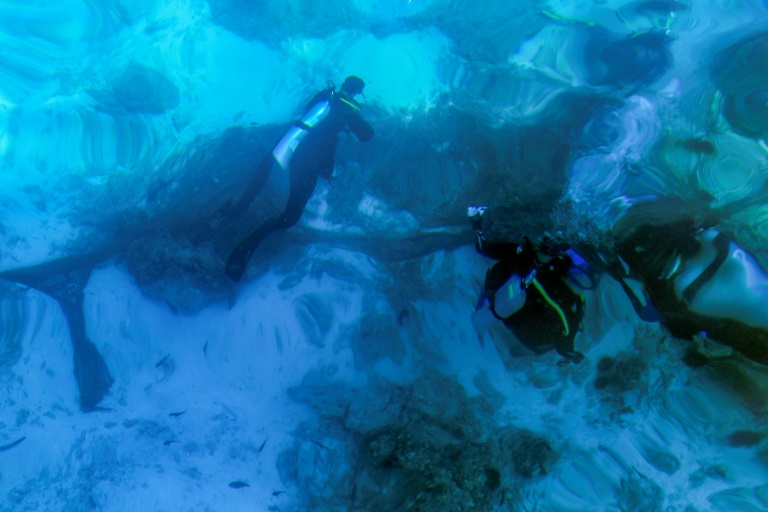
(360, 128)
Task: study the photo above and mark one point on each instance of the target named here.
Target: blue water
(343, 372)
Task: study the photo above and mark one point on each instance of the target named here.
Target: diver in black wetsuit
(529, 292)
(305, 152)
(700, 281)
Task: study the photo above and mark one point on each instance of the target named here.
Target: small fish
(177, 414)
(262, 445)
(321, 445)
(389, 401)
(745, 438)
(160, 362)
(238, 484)
(702, 146)
(277, 493)
(169, 442)
(11, 445)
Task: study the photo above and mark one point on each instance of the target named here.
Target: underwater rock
(714, 471)
(315, 317)
(740, 73)
(331, 399)
(174, 270)
(531, 455)
(379, 338)
(619, 384)
(321, 463)
(441, 471)
(658, 457)
(619, 375)
(144, 90)
(434, 165)
(180, 260)
(740, 498)
(424, 446)
(639, 494)
(444, 471)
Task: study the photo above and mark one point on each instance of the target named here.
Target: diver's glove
(570, 357)
(475, 214)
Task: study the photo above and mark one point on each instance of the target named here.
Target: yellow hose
(351, 104)
(554, 305)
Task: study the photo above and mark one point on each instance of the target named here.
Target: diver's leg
(234, 208)
(301, 190)
(238, 258)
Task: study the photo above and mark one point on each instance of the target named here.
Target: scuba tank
(510, 297)
(285, 149)
(505, 302)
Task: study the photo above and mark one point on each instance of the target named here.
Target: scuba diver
(700, 281)
(305, 152)
(531, 292)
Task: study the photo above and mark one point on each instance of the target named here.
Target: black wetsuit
(548, 320)
(312, 158)
(650, 252)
